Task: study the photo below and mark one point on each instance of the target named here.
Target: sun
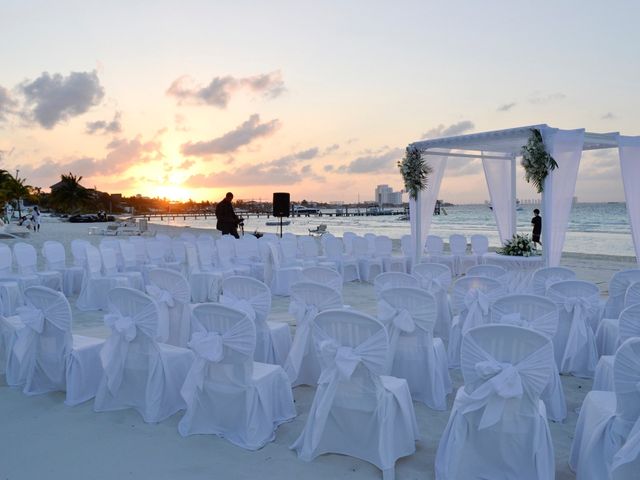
(172, 192)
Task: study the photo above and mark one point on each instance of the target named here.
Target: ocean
(594, 228)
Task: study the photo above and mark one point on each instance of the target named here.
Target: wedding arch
(498, 151)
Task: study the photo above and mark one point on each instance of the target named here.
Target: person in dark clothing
(227, 220)
(536, 221)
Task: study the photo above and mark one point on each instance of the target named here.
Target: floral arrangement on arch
(518, 246)
(536, 161)
(415, 171)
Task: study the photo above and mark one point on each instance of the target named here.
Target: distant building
(386, 196)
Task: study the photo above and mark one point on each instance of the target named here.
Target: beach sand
(41, 438)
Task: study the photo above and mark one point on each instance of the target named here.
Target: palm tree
(68, 194)
(13, 188)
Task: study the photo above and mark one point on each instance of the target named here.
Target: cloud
(219, 91)
(186, 164)
(104, 127)
(537, 98)
(608, 116)
(328, 168)
(285, 170)
(380, 162)
(7, 103)
(122, 154)
(53, 99)
(330, 149)
(449, 131)
(506, 107)
(231, 141)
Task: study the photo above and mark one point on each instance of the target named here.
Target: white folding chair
(55, 258)
(95, 285)
(498, 427)
(409, 315)
(394, 279)
(539, 314)
(140, 373)
(356, 411)
(172, 293)
(628, 326)
(281, 276)
(26, 258)
(248, 253)
(574, 343)
(607, 334)
(384, 249)
(607, 418)
(544, 277)
(226, 249)
(110, 269)
(254, 297)
(323, 276)
(307, 300)
(471, 299)
(43, 354)
(226, 392)
(435, 278)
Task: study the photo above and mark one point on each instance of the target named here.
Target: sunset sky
(191, 99)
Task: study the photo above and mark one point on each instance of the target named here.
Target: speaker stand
(280, 227)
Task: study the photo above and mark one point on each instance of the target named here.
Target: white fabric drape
(629, 149)
(421, 211)
(565, 146)
(498, 175)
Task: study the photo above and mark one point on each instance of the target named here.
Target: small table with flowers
(520, 270)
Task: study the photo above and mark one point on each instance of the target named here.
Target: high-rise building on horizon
(385, 195)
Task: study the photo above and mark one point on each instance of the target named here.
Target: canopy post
(418, 224)
(514, 199)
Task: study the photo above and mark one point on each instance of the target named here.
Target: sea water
(594, 228)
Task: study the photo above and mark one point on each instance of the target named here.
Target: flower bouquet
(518, 246)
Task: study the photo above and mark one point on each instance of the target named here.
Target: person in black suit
(227, 220)
(536, 221)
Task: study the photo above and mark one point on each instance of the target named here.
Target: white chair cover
(479, 247)
(369, 266)
(394, 279)
(171, 292)
(435, 253)
(628, 326)
(8, 328)
(409, 315)
(356, 411)
(471, 299)
(282, 277)
(383, 248)
(346, 265)
(10, 297)
(461, 259)
(248, 253)
(307, 300)
(26, 258)
(95, 286)
(24, 280)
(574, 342)
(55, 257)
(435, 278)
(497, 428)
(226, 392)
(608, 336)
(606, 418)
(273, 339)
(110, 269)
(544, 277)
(408, 251)
(626, 462)
(205, 286)
(539, 314)
(633, 294)
(490, 271)
(138, 372)
(618, 285)
(45, 357)
(324, 276)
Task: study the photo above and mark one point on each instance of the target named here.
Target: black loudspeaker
(281, 204)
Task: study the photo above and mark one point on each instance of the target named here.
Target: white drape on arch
(498, 174)
(421, 211)
(565, 146)
(629, 149)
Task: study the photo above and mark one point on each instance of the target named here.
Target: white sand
(41, 438)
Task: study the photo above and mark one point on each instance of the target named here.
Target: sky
(190, 99)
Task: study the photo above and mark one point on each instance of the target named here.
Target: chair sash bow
(33, 319)
(476, 303)
(304, 314)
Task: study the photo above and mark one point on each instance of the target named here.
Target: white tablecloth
(519, 270)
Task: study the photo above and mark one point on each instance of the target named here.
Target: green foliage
(536, 161)
(69, 195)
(518, 246)
(415, 171)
